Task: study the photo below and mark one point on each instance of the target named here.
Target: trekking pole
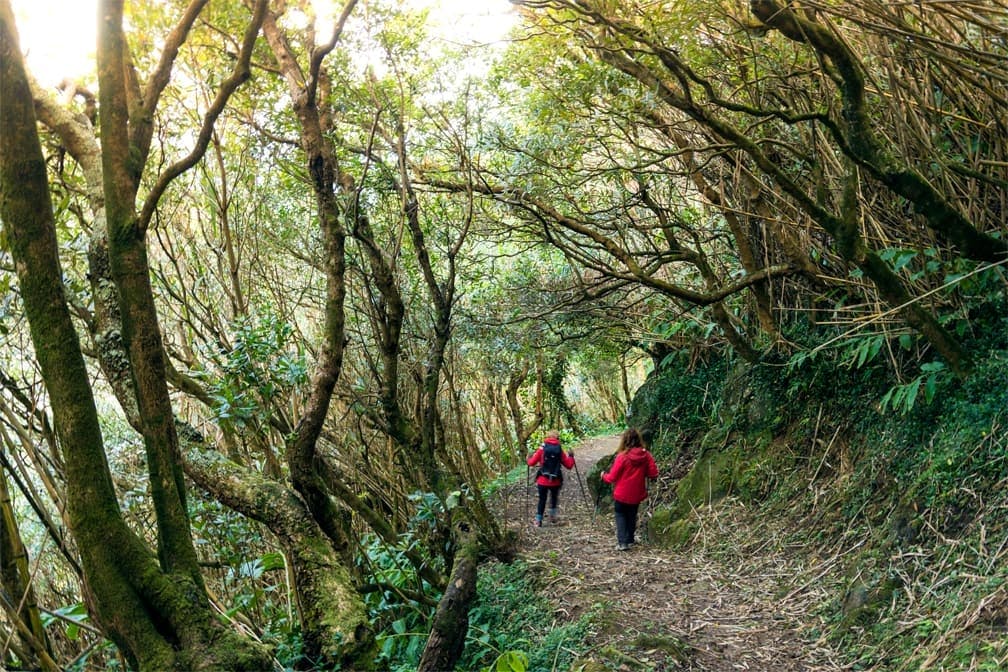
(650, 508)
(528, 470)
(578, 473)
(598, 501)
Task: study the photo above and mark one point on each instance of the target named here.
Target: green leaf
(903, 258)
(911, 394)
(668, 359)
(953, 277)
(867, 350)
(72, 615)
(509, 661)
(888, 398)
(930, 385)
(271, 561)
(252, 569)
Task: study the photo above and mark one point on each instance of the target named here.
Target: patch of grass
(673, 646)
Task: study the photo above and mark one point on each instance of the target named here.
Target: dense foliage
(911, 500)
(286, 291)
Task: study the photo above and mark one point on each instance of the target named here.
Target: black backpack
(551, 461)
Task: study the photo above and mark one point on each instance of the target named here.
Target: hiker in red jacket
(549, 478)
(633, 464)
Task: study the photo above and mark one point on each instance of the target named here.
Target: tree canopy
(280, 293)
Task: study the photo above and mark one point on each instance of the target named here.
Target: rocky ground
(704, 608)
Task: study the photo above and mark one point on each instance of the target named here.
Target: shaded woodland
(285, 299)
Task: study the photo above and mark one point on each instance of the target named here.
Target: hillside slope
(898, 515)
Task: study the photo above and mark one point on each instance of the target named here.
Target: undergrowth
(678, 403)
(909, 503)
(511, 614)
(933, 495)
(511, 626)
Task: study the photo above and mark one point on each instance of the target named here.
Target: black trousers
(626, 522)
(552, 491)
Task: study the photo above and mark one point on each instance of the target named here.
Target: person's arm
(652, 467)
(535, 459)
(614, 471)
(567, 459)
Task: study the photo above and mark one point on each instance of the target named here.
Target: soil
(714, 606)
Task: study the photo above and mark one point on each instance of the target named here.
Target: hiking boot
(537, 523)
(622, 547)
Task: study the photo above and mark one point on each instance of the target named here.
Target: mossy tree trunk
(441, 292)
(327, 182)
(310, 473)
(334, 622)
(156, 611)
(451, 618)
(553, 385)
(417, 432)
(334, 626)
(525, 429)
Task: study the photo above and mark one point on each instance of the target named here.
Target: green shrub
(512, 615)
(955, 442)
(677, 402)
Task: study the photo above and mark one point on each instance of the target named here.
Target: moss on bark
(161, 621)
(451, 619)
(334, 622)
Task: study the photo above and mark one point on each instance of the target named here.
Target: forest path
(671, 610)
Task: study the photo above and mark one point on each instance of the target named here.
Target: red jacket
(537, 458)
(628, 472)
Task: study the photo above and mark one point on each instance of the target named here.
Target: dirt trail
(738, 611)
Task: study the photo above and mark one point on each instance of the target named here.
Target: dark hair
(631, 439)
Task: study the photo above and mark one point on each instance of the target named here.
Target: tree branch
(239, 74)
